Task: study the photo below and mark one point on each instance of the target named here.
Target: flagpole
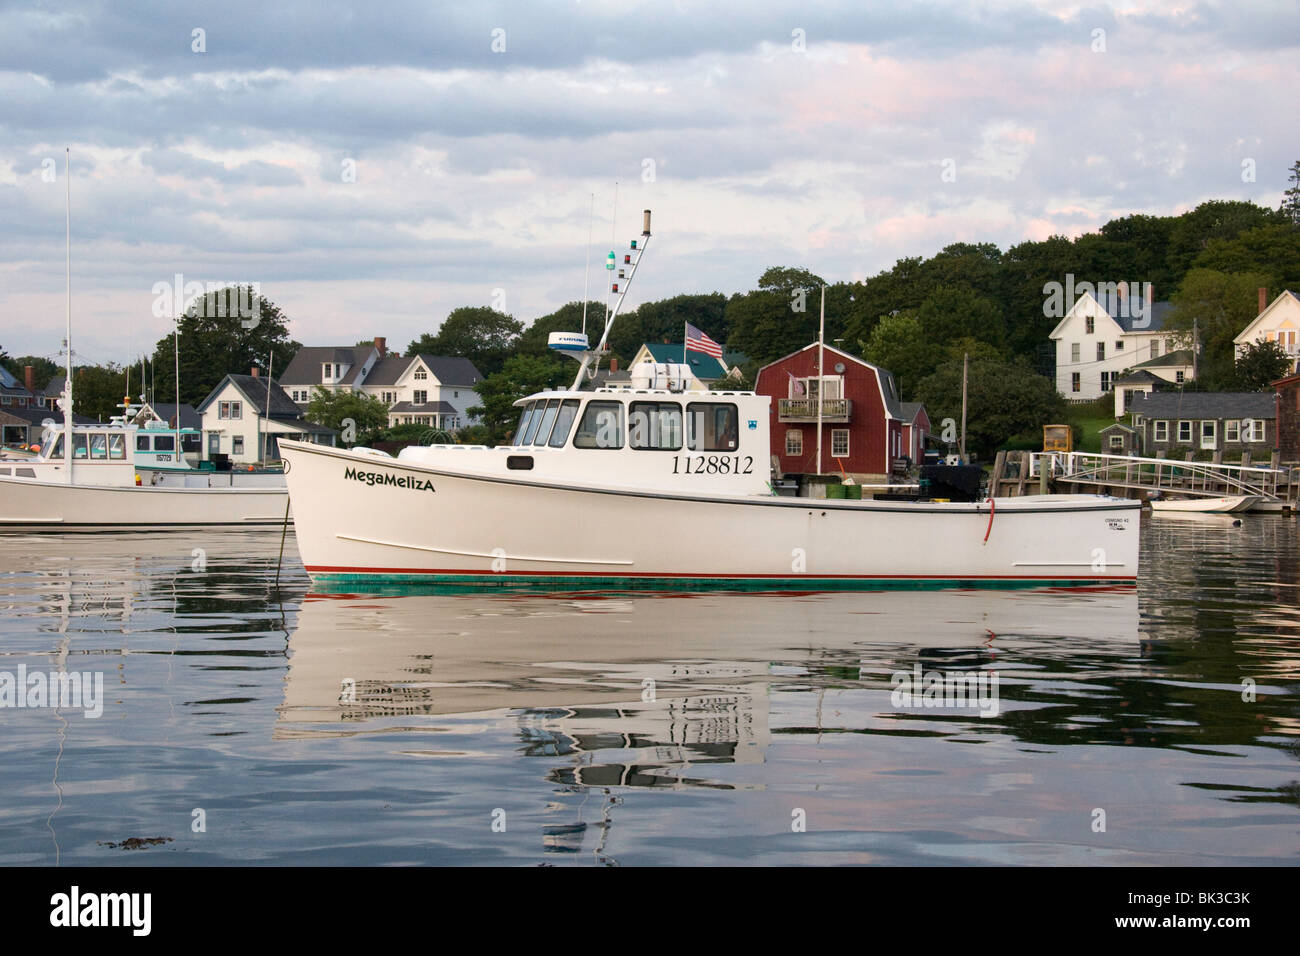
(821, 362)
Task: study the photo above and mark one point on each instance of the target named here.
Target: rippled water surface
(250, 722)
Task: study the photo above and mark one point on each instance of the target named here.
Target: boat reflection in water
(642, 691)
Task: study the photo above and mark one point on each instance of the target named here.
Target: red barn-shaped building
(863, 423)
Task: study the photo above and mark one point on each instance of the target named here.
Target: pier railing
(1186, 477)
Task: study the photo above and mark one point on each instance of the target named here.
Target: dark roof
(1120, 425)
(1140, 376)
(54, 387)
(911, 410)
(437, 408)
(733, 359)
(35, 414)
(302, 425)
(387, 370)
(703, 366)
(254, 389)
(1155, 322)
(452, 369)
(167, 411)
(1177, 404)
(305, 367)
(1176, 357)
(890, 388)
(8, 380)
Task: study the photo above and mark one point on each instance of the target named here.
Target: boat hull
(30, 505)
(374, 521)
(1217, 506)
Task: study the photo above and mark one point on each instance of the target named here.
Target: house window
(327, 373)
(1119, 345)
(1256, 430)
(840, 443)
(455, 394)
(1101, 351)
(214, 444)
(1105, 381)
(421, 375)
(1184, 432)
(230, 410)
(1137, 421)
(237, 445)
(794, 442)
(1232, 431)
(1209, 434)
(1179, 376)
(1088, 325)
(419, 396)
(1074, 353)
(1155, 348)
(1117, 442)
(1161, 431)
(1075, 385)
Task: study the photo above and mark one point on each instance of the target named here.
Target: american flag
(697, 341)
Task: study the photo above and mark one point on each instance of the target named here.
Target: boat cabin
(645, 438)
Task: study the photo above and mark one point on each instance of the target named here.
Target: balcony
(834, 410)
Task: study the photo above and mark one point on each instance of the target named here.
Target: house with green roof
(705, 369)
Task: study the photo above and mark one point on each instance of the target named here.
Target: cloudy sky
(374, 165)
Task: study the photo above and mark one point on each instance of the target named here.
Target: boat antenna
(67, 387)
(621, 281)
(586, 275)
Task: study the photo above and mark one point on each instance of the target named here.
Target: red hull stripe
(343, 569)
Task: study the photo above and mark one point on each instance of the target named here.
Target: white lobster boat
(654, 488)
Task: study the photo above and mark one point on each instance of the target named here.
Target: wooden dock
(1030, 473)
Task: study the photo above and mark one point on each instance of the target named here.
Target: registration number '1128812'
(713, 464)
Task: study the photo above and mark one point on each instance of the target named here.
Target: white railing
(1193, 477)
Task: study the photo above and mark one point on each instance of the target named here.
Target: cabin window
(712, 426)
(840, 443)
(1161, 431)
(141, 442)
(794, 442)
(655, 426)
(524, 421)
(563, 422)
(539, 409)
(117, 447)
(1184, 431)
(547, 422)
(58, 448)
(164, 442)
(1232, 431)
(601, 426)
(98, 446)
(78, 445)
(237, 445)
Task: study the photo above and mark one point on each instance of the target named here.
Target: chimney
(1121, 297)
(381, 345)
(254, 372)
(1263, 299)
(613, 364)
(29, 378)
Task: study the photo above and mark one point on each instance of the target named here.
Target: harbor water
(241, 719)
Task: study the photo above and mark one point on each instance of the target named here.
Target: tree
(1193, 231)
(360, 418)
(98, 390)
(665, 319)
(950, 313)
(567, 318)
(1290, 207)
(214, 342)
(1213, 308)
(520, 376)
(481, 334)
(1259, 365)
(1004, 400)
(780, 317)
(1273, 251)
(898, 345)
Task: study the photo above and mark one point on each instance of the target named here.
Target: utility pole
(1196, 346)
(965, 371)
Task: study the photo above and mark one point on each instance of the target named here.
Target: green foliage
(1290, 207)
(780, 317)
(481, 334)
(522, 375)
(1005, 399)
(1273, 251)
(567, 318)
(213, 345)
(1218, 306)
(898, 345)
(1259, 365)
(1192, 232)
(333, 409)
(665, 320)
(98, 390)
(949, 313)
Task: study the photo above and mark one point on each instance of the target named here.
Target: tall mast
(67, 387)
(622, 281)
(821, 378)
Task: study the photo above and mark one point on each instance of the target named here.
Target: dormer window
(1089, 325)
(328, 372)
(421, 375)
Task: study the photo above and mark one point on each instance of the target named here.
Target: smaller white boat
(1211, 506)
